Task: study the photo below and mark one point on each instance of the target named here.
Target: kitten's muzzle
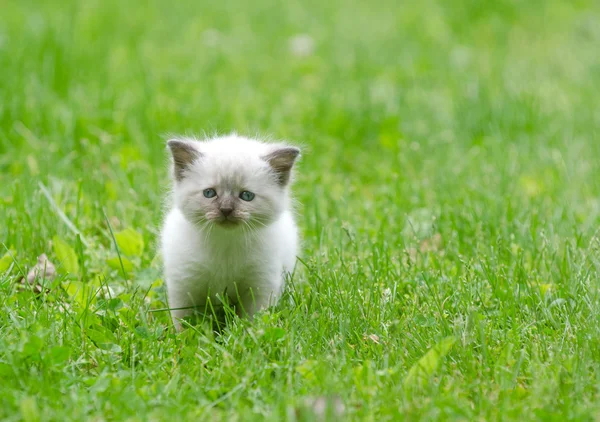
(228, 221)
(228, 217)
(226, 211)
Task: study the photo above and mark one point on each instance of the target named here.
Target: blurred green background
(448, 189)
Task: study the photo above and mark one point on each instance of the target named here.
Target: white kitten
(230, 231)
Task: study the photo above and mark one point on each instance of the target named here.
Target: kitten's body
(244, 254)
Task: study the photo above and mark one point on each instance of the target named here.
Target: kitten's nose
(226, 211)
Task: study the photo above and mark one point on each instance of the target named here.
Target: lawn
(448, 198)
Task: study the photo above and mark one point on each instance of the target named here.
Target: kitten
(230, 232)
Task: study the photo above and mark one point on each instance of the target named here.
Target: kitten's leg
(252, 300)
(182, 304)
(177, 314)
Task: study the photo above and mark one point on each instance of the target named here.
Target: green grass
(449, 191)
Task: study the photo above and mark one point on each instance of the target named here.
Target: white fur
(247, 262)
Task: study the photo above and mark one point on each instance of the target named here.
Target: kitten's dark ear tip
(289, 152)
(180, 145)
(184, 153)
(282, 160)
(175, 143)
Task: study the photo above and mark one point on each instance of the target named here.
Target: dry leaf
(302, 45)
(432, 244)
(387, 295)
(373, 337)
(43, 270)
(115, 223)
(319, 408)
(429, 245)
(410, 256)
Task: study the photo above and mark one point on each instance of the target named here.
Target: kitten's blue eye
(247, 196)
(210, 193)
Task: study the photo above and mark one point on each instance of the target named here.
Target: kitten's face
(231, 184)
(229, 197)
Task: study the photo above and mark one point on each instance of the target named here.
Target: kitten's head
(231, 181)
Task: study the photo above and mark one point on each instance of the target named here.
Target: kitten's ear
(281, 161)
(184, 153)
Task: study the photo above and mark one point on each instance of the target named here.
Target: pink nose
(226, 211)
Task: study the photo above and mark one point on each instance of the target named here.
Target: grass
(450, 206)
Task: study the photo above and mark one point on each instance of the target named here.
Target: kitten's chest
(230, 265)
(226, 263)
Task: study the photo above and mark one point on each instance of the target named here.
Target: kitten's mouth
(228, 221)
